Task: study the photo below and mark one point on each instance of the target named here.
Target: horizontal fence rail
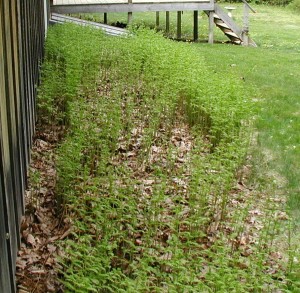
(22, 34)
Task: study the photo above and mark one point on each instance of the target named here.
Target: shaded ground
(42, 226)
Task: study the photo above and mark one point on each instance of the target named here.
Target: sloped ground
(147, 175)
(42, 226)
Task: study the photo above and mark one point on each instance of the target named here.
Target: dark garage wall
(22, 34)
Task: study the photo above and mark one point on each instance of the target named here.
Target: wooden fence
(22, 34)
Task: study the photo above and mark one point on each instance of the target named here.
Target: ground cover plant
(150, 169)
(272, 68)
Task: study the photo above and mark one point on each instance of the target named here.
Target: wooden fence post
(157, 19)
(211, 27)
(5, 254)
(129, 18)
(178, 25)
(167, 22)
(8, 145)
(196, 25)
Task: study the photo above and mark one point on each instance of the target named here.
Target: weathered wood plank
(137, 7)
(19, 182)
(8, 167)
(4, 270)
(11, 130)
(23, 121)
(24, 80)
(110, 30)
(5, 256)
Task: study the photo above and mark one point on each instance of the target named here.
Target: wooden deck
(216, 15)
(106, 6)
(82, 2)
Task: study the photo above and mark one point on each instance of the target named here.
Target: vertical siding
(22, 34)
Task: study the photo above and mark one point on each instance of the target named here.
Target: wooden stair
(226, 24)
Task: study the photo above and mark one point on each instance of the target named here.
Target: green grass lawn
(273, 68)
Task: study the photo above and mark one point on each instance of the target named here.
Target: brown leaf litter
(42, 226)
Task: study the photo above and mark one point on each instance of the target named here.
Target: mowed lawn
(273, 68)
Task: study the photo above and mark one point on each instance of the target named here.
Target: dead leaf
(30, 240)
(51, 248)
(24, 224)
(138, 241)
(276, 255)
(41, 143)
(255, 212)
(282, 216)
(21, 264)
(54, 238)
(50, 262)
(244, 240)
(130, 154)
(246, 252)
(242, 265)
(50, 287)
(23, 291)
(66, 234)
(166, 256)
(38, 272)
(148, 182)
(204, 272)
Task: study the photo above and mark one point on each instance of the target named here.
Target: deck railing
(247, 9)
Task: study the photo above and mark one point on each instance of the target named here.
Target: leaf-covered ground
(152, 172)
(37, 263)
